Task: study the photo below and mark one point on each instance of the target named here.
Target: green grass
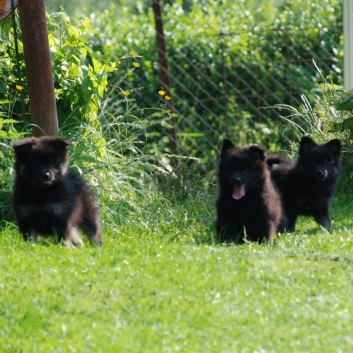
(161, 284)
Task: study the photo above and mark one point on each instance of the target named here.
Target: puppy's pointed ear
(258, 152)
(227, 145)
(62, 143)
(335, 146)
(22, 147)
(306, 144)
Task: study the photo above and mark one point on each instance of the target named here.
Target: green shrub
(110, 140)
(213, 58)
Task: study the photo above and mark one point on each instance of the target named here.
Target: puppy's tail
(274, 160)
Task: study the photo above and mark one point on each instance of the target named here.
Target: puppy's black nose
(46, 176)
(320, 171)
(237, 180)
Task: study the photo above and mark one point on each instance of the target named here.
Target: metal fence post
(166, 80)
(224, 80)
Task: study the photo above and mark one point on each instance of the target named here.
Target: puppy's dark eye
(327, 163)
(47, 160)
(247, 171)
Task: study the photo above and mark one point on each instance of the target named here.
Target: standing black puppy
(47, 198)
(247, 198)
(307, 186)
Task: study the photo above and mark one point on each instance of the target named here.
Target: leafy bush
(214, 57)
(109, 137)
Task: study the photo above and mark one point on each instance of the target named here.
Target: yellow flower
(125, 93)
(86, 23)
(161, 92)
(20, 88)
(136, 64)
(168, 98)
(133, 53)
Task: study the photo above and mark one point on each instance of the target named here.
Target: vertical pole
(166, 80)
(38, 65)
(348, 43)
(224, 81)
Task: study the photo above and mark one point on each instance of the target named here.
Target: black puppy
(247, 198)
(47, 198)
(307, 186)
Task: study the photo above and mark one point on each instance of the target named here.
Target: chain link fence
(228, 93)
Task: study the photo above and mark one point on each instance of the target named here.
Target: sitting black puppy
(47, 198)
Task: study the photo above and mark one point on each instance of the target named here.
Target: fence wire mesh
(224, 93)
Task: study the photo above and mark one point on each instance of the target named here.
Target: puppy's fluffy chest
(51, 209)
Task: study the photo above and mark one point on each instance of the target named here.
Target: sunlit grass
(161, 283)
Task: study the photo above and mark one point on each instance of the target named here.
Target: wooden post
(38, 65)
(166, 80)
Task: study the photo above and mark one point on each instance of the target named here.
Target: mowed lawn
(150, 291)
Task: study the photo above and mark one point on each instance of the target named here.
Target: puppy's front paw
(73, 239)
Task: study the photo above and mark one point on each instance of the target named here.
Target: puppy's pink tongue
(238, 192)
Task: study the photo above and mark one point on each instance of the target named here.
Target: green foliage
(111, 139)
(6, 128)
(11, 85)
(79, 80)
(327, 118)
(213, 65)
(347, 103)
(7, 134)
(186, 184)
(72, 7)
(5, 181)
(214, 60)
(342, 103)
